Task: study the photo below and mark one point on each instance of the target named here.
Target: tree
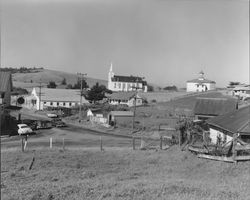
(64, 82)
(78, 84)
(150, 88)
(51, 84)
(96, 93)
(170, 88)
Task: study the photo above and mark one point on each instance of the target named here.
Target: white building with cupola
(125, 83)
(200, 84)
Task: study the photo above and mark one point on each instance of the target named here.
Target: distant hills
(33, 78)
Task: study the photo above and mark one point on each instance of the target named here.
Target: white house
(242, 92)
(200, 84)
(125, 98)
(125, 83)
(224, 126)
(53, 98)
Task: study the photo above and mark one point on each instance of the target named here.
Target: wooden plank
(242, 158)
(197, 150)
(218, 158)
(245, 147)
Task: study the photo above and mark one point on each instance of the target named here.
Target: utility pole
(136, 88)
(40, 94)
(80, 106)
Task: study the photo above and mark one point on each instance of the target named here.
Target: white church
(125, 83)
(200, 84)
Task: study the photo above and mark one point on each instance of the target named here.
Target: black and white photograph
(124, 99)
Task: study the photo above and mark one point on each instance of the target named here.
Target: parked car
(24, 129)
(57, 122)
(52, 115)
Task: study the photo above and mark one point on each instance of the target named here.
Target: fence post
(101, 143)
(180, 138)
(50, 143)
(133, 141)
(161, 142)
(63, 145)
(22, 145)
(234, 144)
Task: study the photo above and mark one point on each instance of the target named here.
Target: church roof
(200, 81)
(130, 79)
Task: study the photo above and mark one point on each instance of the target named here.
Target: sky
(166, 41)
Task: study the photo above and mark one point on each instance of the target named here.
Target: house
(125, 98)
(125, 83)
(200, 84)
(96, 115)
(206, 108)
(242, 92)
(120, 117)
(223, 127)
(65, 98)
(5, 88)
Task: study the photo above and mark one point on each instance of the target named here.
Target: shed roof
(237, 121)
(122, 113)
(214, 106)
(122, 95)
(60, 95)
(5, 79)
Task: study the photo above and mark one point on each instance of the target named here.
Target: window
(63, 103)
(115, 85)
(119, 85)
(51, 103)
(57, 103)
(70, 104)
(44, 102)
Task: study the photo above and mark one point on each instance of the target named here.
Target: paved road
(73, 136)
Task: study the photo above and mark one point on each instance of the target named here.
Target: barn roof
(122, 113)
(5, 79)
(131, 79)
(122, 95)
(60, 95)
(214, 106)
(237, 121)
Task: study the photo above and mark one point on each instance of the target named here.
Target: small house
(125, 98)
(242, 92)
(120, 117)
(206, 108)
(225, 126)
(96, 115)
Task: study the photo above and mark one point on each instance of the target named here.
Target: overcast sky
(166, 41)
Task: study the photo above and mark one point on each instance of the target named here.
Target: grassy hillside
(28, 80)
(120, 174)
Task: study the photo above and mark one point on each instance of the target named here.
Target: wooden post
(22, 145)
(50, 143)
(101, 143)
(133, 142)
(161, 143)
(63, 145)
(180, 138)
(234, 145)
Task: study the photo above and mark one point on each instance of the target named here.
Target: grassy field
(120, 174)
(24, 79)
